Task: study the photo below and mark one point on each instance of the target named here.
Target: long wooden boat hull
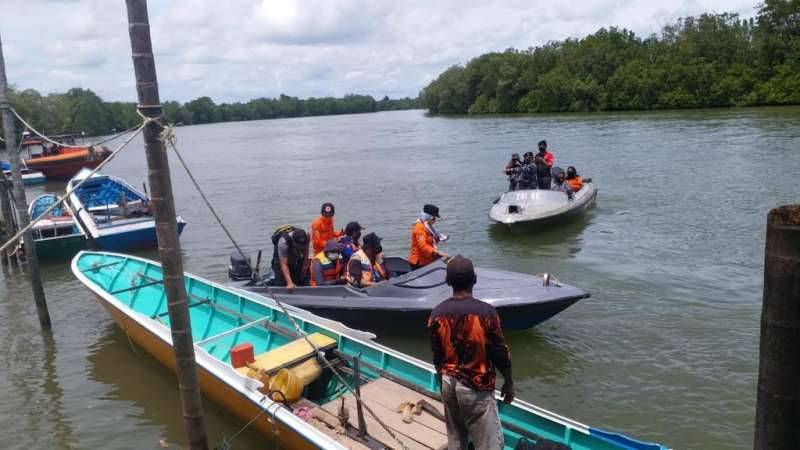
(131, 289)
(63, 167)
(210, 385)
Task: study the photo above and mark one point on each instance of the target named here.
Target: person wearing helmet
(544, 161)
(512, 170)
(326, 267)
(289, 259)
(323, 229)
(560, 182)
(574, 180)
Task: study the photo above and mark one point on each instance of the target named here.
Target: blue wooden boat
(57, 234)
(114, 215)
(286, 387)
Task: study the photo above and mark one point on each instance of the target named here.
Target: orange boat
(59, 162)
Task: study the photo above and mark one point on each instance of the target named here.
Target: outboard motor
(239, 268)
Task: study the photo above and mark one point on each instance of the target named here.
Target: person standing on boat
(425, 238)
(544, 161)
(290, 258)
(468, 346)
(326, 267)
(365, 267)
(527, 173)
(512, 170)
(322, 228)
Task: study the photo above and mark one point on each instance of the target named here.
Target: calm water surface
(665, 349)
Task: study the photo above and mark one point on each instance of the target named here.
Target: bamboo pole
(166, 224)
(20, 202)
(778, 405)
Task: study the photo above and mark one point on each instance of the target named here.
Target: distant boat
(57, 235)
(541, 206)
(61, 163)
(253, 363)
(29, 177)
(114, 215)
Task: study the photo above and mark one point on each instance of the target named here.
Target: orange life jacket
(330, 269)
(575, 183)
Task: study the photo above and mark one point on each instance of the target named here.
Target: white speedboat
(540, 205)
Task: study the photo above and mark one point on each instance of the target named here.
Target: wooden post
(778, 405)
(19, 200)
(166, 224)
(8, 216)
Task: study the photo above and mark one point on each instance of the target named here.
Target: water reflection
(560, 240)
(61, 435)
(134, 376)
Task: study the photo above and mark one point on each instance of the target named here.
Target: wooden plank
(329, 425)
(415, 430)
(391, 395)
(375, 429)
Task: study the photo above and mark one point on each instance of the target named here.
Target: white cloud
(234, 50)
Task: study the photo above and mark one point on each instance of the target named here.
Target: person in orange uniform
(425, 238)
(326, 267)
(574, 180)
(322, 228)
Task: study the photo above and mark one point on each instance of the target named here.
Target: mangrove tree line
(82, 110)
(714, 60)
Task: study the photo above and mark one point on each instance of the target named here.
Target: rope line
(72, 189)
(168, 136)
(61, 144)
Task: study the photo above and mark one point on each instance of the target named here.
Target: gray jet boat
(407, 298)
(538, 206)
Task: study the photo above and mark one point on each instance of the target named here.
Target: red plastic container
(242, 355)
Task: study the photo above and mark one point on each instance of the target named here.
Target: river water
(665, 349)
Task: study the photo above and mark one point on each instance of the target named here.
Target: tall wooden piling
(166, 224)
(19, 199)
(8, 216)
(778, 405)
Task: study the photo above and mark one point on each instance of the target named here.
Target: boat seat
(289, 354)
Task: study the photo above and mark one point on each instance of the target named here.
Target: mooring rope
(61, 144)
(70, 190)
(168, 137)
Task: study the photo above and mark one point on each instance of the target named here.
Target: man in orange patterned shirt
(468, 346)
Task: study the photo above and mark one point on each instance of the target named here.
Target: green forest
(82, 110)
(714, 60)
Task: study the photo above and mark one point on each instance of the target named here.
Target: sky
(236, 50)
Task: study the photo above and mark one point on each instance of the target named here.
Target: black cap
(542, 142)
(515, 156)
(460, 272)
(327, 209)
(352, 227)
(300, 237)
(431, 210)
(372, 240)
